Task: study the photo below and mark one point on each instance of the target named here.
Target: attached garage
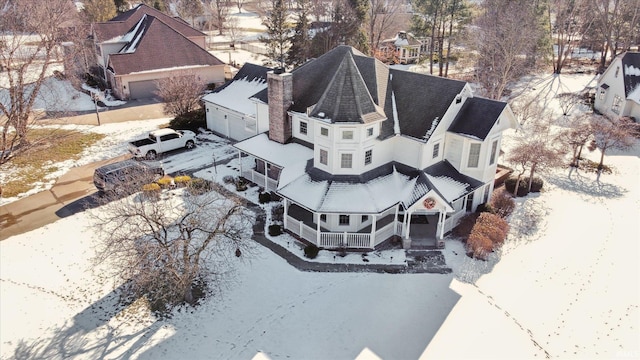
(142, 89)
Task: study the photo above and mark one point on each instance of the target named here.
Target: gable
(477, 117)
(117, 26)
(154, 45)
(420, 100)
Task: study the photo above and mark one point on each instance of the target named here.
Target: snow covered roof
(275, 153)
(340, 195)
(448, 182)
(631, 73)
(237, 93)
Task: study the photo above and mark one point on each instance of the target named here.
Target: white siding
(453, 149)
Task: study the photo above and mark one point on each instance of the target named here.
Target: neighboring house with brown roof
(362, 153)
(143, 45)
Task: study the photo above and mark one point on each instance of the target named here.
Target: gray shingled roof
(159, 46)
(420, 100)
(476, 117)
(347, 98)
(631, 63)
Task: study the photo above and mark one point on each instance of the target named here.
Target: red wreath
(429, 203)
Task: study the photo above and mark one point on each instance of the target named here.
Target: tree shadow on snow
(590, 186)
(90, 334)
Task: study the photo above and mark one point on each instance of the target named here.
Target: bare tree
(615, 24)
(180, 93)
(576, 134)
(569, 19)
(502, 45)
(535, 151)
(168, 244)
(568, 101)
(30, 31)
(234, 31)
(189, 9)
(612, 134)
(383, 15)
(220, 14)
(239, 4)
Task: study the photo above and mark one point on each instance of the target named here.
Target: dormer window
(370, 131)
(324, 131)
(458, 99)
(347, 135)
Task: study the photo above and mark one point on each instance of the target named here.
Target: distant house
(143, 45)
(231, 110)
(362, 153)
(618, 90)
(404, 48)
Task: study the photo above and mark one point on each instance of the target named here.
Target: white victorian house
(362, 153)
(618, 91)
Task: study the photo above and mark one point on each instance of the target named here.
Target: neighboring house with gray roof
(618, 91)
(404, 48)
(141, 46)
(362, 153)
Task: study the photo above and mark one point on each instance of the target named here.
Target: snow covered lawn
(568, 287)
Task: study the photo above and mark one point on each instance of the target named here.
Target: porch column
(286, 211)
(373, 232)
(240, 161)
(441, 216)
(408, 226)
(395, 220)
(318, 230)
(266, 176)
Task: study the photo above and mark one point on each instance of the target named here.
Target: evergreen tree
(277, 37)
(300, 50)
(99, 10)
(121, 5)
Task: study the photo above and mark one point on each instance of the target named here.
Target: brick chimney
(280, 90)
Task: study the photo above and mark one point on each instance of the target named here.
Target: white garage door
(142, 89)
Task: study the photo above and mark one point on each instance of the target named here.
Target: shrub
(241, 185)
(311, 251)
(199, 186)
(182, 179)
(193, 120)
(277, 212)
(479, 245)
(536, 184)
(275, 230)
(264, 197)
(153, 187)
(164, 182)
(502, 203)
(228, 179)
(510, 185)
(465, 225)
(485, 208)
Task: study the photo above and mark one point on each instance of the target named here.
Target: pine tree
(277, 37)
(99, 10)
(300, 51)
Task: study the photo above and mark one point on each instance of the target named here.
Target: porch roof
(344, 195)
(281, 155)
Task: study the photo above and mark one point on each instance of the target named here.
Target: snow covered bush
(275, 230)
(536, 184)
(264, 197)
(193, 120)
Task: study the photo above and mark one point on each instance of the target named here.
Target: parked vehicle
(126, 176)
(161, 141)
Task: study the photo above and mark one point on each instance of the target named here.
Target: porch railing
(259, 179)
(453, 220)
